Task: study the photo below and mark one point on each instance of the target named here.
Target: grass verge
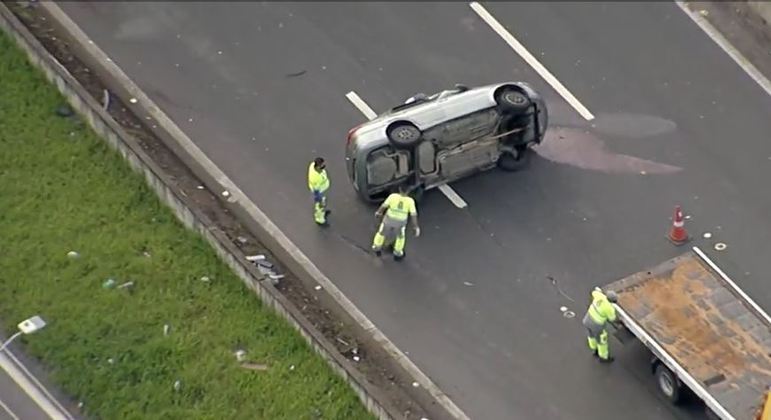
(62, 189)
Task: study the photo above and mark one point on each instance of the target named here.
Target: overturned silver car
(432, 140)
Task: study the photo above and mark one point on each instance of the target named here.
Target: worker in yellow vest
(398, 209)
(600, 312)
(318, 183)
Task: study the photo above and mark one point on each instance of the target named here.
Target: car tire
(510, 99)
(404, 135)
(668, 384)
(516, 160)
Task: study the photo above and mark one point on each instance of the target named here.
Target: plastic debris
(356, 358)
(177, 385)
(415, 384)
(225, 193)
(200, 187)
(166, 329)
(707, 235)
(73, 254)
(240, 355)
(254, 366)
(205, 279)
(133, 100)
(111, 361)
(80, 404)
(704, 12)
(468, 283)
(317, 287)
(241, 239)
(563, 308)
(263, 263)
(126, 285)
(720, 246)
(258, 257)
(146, 254)
(291, 367)
(109, 284)
(569, 314)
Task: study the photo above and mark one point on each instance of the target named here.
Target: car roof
(437, 111)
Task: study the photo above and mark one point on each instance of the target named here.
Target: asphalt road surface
(260, 87)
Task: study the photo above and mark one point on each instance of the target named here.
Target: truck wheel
(403, 135)
(668, 383)
(511, 99)
(516, 160)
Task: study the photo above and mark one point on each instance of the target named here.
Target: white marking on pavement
(453, 196)
(732, 52)
(40, 385)
(534, 63)
(34, 393)
(361, 105)
(370, 114)
(8, 410)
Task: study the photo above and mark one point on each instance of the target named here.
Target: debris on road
(133, 100)
(720, 246)
(252, 258)
(468, 283)
(707, 235)
(200, 187)
(318, 287)
(415, 384)
(241, 239)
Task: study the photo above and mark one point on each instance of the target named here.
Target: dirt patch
(370, 359)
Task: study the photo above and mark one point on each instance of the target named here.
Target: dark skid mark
(299, 73)
(584, 150)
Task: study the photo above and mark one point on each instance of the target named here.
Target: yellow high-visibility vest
(317, 181)
(400, 207)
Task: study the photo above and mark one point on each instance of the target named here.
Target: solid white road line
(453, 196)
(39, 385)
(732, 52)
(34, 393)
(361, 105)
(534, 63)
(370, 114)
(8, 410)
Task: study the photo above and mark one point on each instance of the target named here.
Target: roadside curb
(248, 213)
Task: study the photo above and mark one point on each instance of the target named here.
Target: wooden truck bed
(709, 327)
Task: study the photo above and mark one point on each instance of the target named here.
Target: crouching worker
(398, 209)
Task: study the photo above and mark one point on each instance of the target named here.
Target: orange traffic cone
(677, 234)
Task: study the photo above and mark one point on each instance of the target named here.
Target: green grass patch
(63, 189)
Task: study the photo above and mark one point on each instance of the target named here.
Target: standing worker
(318, 183)
(600, 312)
(398, 208)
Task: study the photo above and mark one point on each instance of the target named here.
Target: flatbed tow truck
(705, 334)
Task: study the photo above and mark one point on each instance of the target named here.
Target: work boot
(398, 257)
(610, 359)
(378, 252)
(595, 354)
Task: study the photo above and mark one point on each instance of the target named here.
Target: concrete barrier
(104, 125)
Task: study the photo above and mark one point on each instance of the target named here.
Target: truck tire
(512, 100)
(669, 385)
(516, 160)
(403, 135)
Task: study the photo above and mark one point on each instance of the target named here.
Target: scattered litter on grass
(291, 367)
(468, 283)
(166, 329)
(205, 279)
(146, 254)
(111, 361)
(254, 366)
(720, 246)
(109, 284)
(73, 254)
(707, 235)
(240, 355)
(177, 385)
(126, 285)
(80, 404)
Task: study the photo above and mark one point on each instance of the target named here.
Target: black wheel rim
(514, 98)
(404, 134)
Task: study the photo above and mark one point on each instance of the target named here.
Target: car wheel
(669, 385)
(512, 100)
(403, 135)
(515, 160)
